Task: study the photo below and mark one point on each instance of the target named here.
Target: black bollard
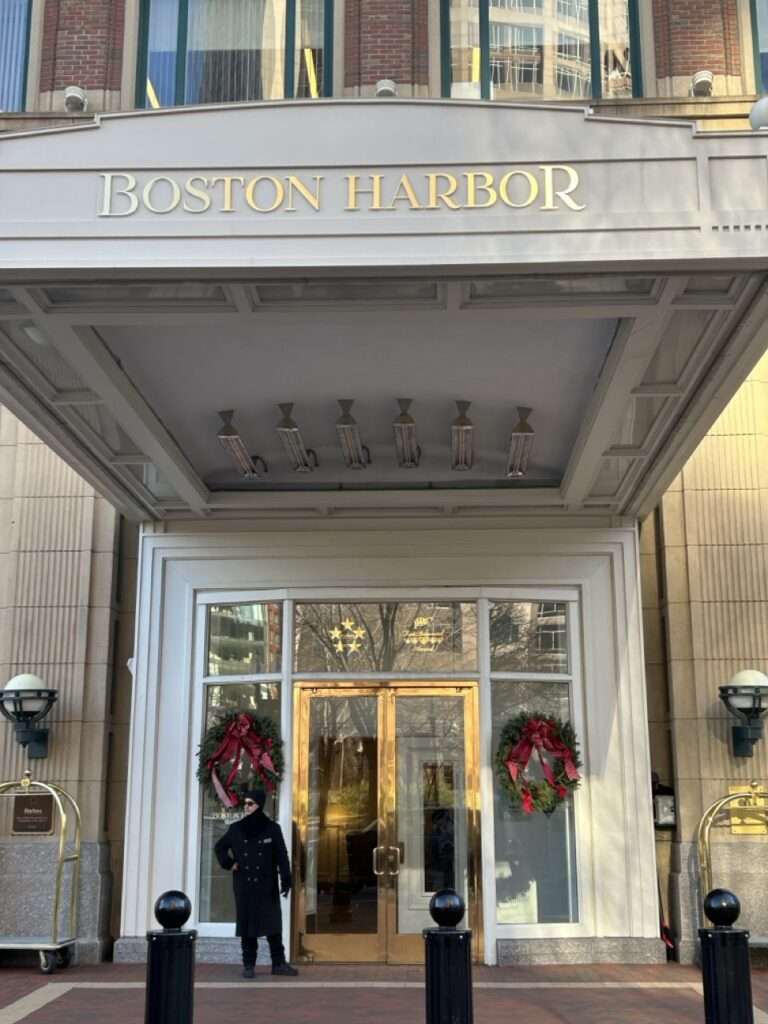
(448, 962)
(725, 962)
(171, 963)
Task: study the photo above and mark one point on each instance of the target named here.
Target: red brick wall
(82, 44)
(386, 39)
(696, 35)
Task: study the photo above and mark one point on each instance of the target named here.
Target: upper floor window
(548, 49)
(229, 51)
(14, 44)
(761, 45)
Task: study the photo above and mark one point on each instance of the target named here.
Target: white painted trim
(616, 851)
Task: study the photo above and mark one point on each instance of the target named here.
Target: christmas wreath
(554, 744)
(239, 751)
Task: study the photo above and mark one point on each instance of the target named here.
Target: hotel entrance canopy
(159, 267)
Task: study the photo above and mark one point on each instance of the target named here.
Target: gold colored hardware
(385, 944)
(376, 851)
(753, 798)
(394, 872)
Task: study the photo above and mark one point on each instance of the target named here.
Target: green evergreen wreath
(553, 742)
(232, 757)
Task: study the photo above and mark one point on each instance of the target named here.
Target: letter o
(146, 194)
(250, 193)
(533, 188)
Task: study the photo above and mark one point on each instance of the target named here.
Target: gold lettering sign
(546, 187)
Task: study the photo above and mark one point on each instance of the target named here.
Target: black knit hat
(258, 796)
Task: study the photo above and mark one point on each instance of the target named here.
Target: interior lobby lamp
(520, 444)
(746, 697)
(406, 445)
(251, 466)
(356, 454)
(462, 439)
(25, 701)
(303, 460)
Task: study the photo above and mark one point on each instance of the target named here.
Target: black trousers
(250, 947)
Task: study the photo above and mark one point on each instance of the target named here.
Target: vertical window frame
(596, 62)
(181, 52)
(24, 61)
(755, 20)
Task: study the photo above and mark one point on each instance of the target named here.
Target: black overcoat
(264, 871)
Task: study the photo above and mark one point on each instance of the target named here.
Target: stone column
(699, 35)
(715, 573)
(57, 558)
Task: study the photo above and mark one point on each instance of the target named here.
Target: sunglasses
(249, 803)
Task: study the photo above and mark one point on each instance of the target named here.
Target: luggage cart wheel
(64, 956)
(47, 961)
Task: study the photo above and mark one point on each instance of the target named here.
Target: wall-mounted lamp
(408, 450)
(303, 460)
(746, 697)
(356, 454)
(25, 701)
(462, 439)
(251, 466)
(520, 444)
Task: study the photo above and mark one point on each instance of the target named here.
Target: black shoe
(248, 972)
(285, 969)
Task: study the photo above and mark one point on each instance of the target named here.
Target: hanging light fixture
(408, 450)
(356, 454)
(303, 459)
(251, 466)
(520, 444)
(462, 439)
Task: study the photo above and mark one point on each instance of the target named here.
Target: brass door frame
(387, 945)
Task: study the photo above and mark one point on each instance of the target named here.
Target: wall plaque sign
(32, 815)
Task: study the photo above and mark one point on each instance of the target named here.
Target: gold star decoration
(348, 624)
(335, 633)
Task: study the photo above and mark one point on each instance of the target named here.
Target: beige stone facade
(67, 617)
(705, 594)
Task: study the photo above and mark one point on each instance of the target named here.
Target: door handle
(375, 863)
(397, 852)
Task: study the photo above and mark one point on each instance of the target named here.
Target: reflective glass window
(244, 639)
(761, 49)
(14, 36)
(263, 699)
(394, 636)
(523, 49)
(536, 874)
(529, 636)
(229, 51)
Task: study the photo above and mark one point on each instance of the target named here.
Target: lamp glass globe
(27, 681)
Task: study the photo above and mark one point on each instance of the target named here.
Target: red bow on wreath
(539, 735)
(240, 739)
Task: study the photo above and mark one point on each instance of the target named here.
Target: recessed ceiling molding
(84, 397)
(626, 452)
(86, 353)
(657, 391)
(130, 459)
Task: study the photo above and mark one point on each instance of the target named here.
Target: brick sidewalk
(587, 994)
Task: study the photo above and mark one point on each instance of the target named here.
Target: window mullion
(142, 65)
(755, 19)
(485, 50)
(635, 49)
(594, 49)
(445, 48)
(290, 48)
(328, 49)
(182, 30)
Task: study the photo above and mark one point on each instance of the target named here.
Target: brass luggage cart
(54, 947)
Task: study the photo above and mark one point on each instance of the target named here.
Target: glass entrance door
(386, 814)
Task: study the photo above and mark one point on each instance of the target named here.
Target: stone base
(580, 951)
(131, 950)
(27, 867)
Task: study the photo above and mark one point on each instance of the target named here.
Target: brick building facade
(694, 558)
